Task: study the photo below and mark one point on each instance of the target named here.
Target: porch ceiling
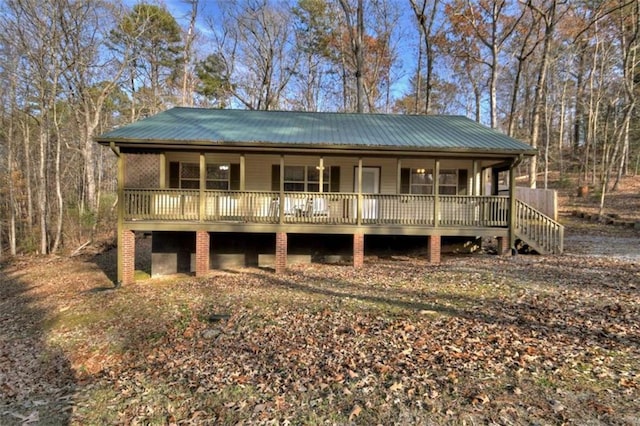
(195, 128)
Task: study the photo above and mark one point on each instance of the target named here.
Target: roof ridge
(262, 111)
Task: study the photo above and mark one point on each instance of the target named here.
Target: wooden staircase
(538, 231)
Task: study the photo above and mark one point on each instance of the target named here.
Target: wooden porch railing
(473, 211)
(161, 204)
(542, 233)
(315, 208)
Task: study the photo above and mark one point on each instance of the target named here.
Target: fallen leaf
(355, 412)
(396, 387)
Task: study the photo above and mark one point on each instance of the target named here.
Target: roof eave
(153, 144)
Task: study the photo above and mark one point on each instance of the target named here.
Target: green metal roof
(185, 126)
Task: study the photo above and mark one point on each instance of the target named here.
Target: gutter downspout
(512, 203)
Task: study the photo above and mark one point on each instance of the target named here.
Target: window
(306, 179)
(217, 176)
(448, 182)
(189, 175)
(420, 181)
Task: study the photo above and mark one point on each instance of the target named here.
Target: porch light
(421, 171)
(224, 167)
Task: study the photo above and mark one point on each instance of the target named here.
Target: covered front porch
(310, 195)
(228, 188)
(312, 208)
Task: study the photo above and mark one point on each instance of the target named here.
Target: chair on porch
(319, 207)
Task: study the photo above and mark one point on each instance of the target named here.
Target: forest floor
(478, 339)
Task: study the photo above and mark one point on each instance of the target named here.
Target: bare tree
(426, 20)
(493, 26)
(356, 35)
(187, 55)
(36, 28)
(628, 20)
(258, 48)
(549, 17)
(86, 65)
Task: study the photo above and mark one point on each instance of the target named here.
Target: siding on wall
(258, 167)
(258, 171)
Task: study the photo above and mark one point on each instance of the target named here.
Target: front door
(370, 185)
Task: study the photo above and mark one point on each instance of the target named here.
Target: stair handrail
(539, 230)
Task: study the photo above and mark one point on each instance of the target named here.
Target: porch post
(281, 203)
(512, 207)
(359, 209)
(321, 178)
(163, 170)
(203, 184)
(120, 231)
(399, 176)
(436, 193)
(202, 253)
(242, 172)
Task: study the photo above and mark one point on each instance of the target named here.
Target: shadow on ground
(37, 383)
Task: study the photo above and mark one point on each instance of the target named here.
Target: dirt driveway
(591, 239)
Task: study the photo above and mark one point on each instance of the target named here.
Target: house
(193, 176)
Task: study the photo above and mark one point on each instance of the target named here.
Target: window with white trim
(217, 176)
(421, 181)
(306, 179)
(448, 182)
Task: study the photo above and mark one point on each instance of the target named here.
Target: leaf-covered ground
(479, 339)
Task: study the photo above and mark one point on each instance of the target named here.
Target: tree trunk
(11, 169)
(42, 183)
(578, 119)
(89, 168)
(60, 202)
(356, 36)
(360, 57)
(425, 23)
(27, 173)
(549, 20)
(187, 98)
(523, 56)
(563, 102)
(416, 106)
(492, 86)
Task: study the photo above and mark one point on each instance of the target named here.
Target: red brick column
(202, 253)
(128, 256)
(281, 252)
(503, 246)
(358, 250)
(433, 248)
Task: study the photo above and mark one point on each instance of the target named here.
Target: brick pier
(358, 250)
(202, 253)
(281, 252)
(433, 248)
(128, 256)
